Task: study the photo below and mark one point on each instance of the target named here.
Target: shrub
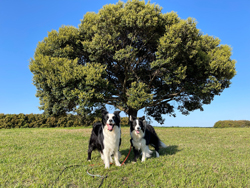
(9, 121)
(230, 123)
(124, 121)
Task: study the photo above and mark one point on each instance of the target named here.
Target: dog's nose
(110, 120)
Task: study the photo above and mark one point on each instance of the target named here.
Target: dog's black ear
(132, 118)
(104, 112)
(117, 113)
(142, 118)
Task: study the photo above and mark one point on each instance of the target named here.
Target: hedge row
(9, 121)
(230, 123)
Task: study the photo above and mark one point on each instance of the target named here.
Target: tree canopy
(132, 56)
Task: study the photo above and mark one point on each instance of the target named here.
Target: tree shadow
(169, 150)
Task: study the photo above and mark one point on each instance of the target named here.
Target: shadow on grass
(170, 150)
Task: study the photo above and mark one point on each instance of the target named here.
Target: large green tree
(132, 56)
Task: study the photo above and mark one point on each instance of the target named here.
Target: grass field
(196, 157)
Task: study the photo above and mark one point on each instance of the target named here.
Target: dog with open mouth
(143, 135)
(106, 138)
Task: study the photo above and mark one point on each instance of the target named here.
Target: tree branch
(167, 98)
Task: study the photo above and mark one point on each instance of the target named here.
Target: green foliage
(138, 95)
(230, 123)
(132, 56)
(62, 81)
(124, 121)
(8, 121)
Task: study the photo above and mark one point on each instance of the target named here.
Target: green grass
(196, 157)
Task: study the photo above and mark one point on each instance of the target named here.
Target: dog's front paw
(118, 164)
(107, 166)
(157, 154)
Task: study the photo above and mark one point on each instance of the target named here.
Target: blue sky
(24, 23)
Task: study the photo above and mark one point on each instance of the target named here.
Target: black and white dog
(106, 138)
(143, 135)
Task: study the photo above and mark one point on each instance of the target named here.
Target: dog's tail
(163, 145)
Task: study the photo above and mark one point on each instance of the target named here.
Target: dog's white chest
(139, 144)
(138, 141)
(112, 139)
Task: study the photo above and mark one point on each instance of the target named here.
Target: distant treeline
(9, 121)
(230, 123)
